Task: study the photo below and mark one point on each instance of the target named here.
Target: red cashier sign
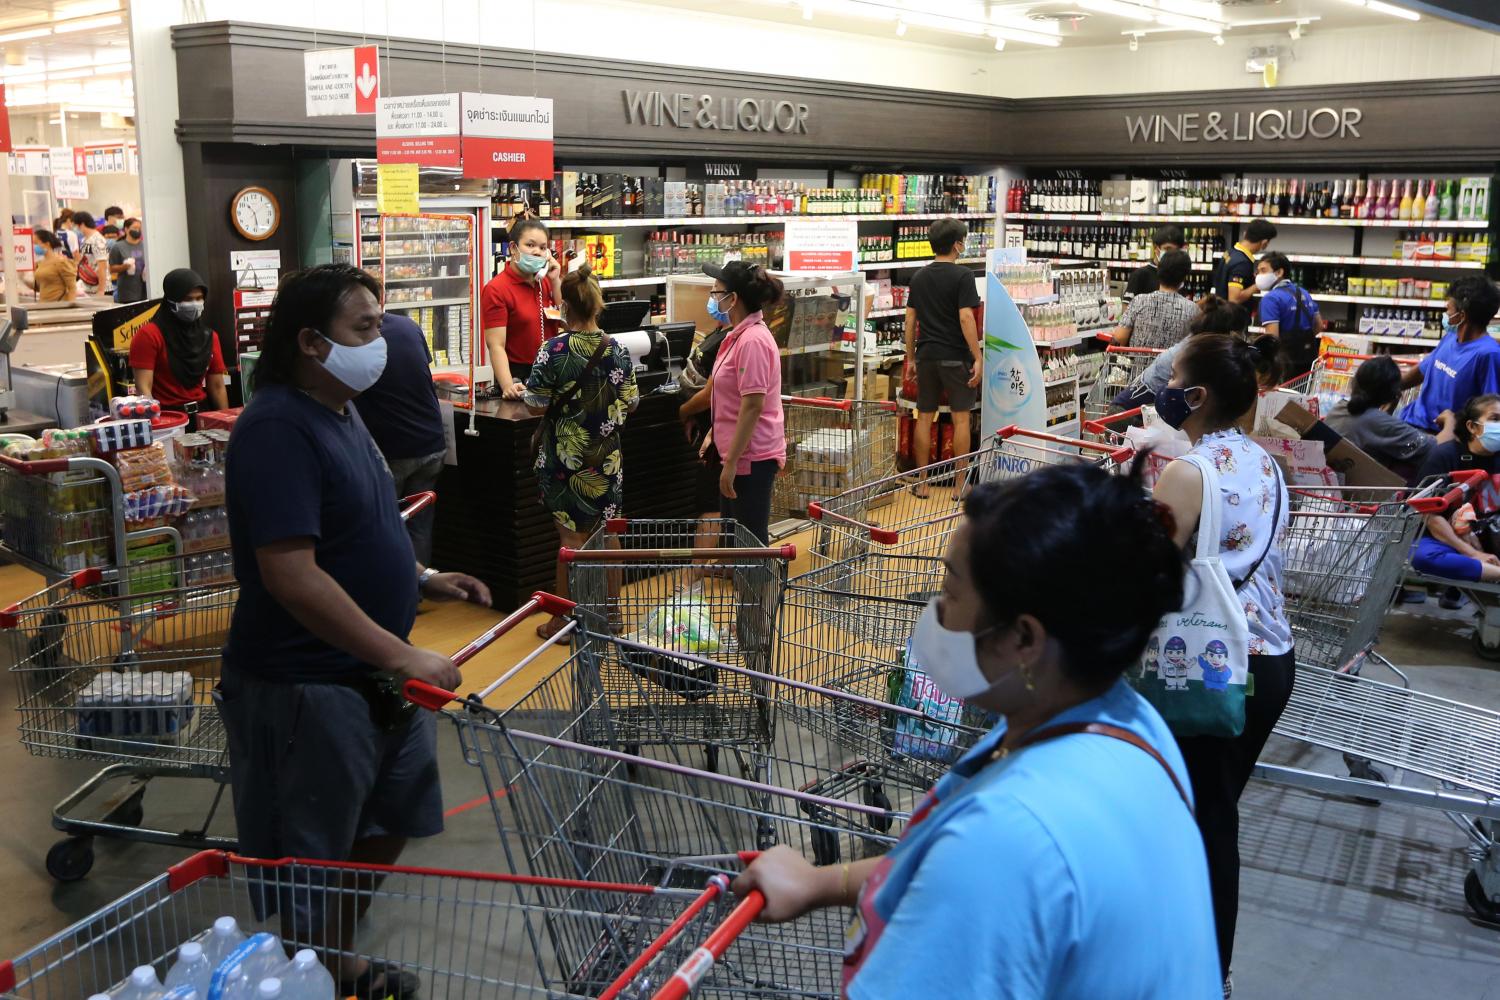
(422, 129)
(507, 137)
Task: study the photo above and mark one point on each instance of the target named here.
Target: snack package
(117, 435)
(155, 502)
(935, 736)
(685, 624)
(143, 468)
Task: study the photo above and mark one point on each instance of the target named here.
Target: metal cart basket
(833, 445)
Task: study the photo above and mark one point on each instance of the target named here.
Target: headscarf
(189, 345)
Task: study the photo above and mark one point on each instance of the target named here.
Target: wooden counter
(490, 520)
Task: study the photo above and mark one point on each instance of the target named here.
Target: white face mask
(1266, 280)
(188, 312)
(357, 367)
(948, 657)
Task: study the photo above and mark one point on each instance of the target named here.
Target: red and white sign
(341, 81)
(507, 137)
(821, 245)
(421, 129)
(20, 243)
(5, 144)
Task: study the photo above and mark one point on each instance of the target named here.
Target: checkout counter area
(490, 520)
(47, 372)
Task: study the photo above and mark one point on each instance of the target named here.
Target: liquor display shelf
(660, 279)
(884, 265)
(885, 313)
(424, 303)
(428, 277)
(828, 348)
(375, 259)
(1083, 337)
(1376, 300)
(1374, 338)
(1277, 220)
(627, 222)
(1297, 258)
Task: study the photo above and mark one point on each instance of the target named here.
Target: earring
(1025, 672)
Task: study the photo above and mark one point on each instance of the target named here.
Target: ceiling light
(1218, 39)
(900, 26)
(16, 36)
(1189, 23)
(1119, 8)
(999, 44)
(1393, 10)
(87, 24)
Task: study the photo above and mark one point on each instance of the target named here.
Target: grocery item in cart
(151, 708)
(222, 938)
(142, 985)
(934, 737)
(239, 975)
(192, 969)
(684, 623)
(305, 978)
(143, 468)
(131, 407)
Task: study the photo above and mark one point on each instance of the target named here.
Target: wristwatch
(426, 575)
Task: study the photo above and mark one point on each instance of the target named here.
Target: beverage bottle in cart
(142, 985)
(192, 968)
(224, 937)
(306, 978)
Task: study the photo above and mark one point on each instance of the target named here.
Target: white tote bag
(1197, 662)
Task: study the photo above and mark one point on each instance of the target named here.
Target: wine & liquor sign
(1268, 125)
(706, 111)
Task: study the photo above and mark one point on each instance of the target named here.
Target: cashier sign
(487, 135)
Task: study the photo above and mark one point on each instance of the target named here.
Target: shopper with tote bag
(1224, 663)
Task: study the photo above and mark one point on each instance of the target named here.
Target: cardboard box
(1357, 468)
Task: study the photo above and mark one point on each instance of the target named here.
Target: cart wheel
(1478, 901)
(70, 860)
(825, 845)
(711, 759)
(1488, 652)
(875, 796)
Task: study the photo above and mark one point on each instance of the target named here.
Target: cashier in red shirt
(515, 304)
(176, 358)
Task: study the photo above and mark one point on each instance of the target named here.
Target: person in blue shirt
(1059, 857)
(1465, 363)
(324, 759)
(401, 413)
(1288, 313)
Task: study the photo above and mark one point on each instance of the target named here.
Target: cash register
(658, 352)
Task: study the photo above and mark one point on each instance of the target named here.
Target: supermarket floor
(1341, 901)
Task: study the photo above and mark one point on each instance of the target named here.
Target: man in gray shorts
(326, 761)
(942, 339)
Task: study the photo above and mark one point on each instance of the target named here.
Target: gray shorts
(934, 378)
(312, 773)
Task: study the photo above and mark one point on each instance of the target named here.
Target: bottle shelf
(1375, 300)
(1426, 343)
(660, 279)
(375, 258)
(1277, 220)
(424, 303)
(895, 265)
(885, 313)
(744, 220)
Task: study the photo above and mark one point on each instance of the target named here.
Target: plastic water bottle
(222, 939)
(269, 989)
(237, 976)
(183, 992)
(268, 960)
(306, 978)
(192, 968)
(142, 985)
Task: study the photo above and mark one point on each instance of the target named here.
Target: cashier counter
(47, 373)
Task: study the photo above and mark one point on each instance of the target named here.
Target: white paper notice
(341, 81)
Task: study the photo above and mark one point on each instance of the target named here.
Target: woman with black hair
(519, 308)
(1367, 419)
(749, 429)
(176, 358)
(1215, 382)
(1058, 858)
(1442, 551)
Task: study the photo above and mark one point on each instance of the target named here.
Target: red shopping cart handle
(1119, 455)
(416, 503)
(428, 696)
(697, 965)
(1464, 482)
(1101, 426)
(819, 402)
(433, 698)
(567, 555)
(40, 467)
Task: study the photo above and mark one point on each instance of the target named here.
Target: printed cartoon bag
(1197, 662)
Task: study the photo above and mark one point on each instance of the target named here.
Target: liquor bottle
(1445, 203)
(1377, 200)
(544, 199)
(1433, 204)
(1350, 203)
(1287, 197)
(1362, 201)
(1403, 211)
(1335, 202)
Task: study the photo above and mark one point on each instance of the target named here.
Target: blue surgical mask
(357, 367)
(38, 252)
(717, 311)
(1489, 436)
(530, 264)
(1172, 406)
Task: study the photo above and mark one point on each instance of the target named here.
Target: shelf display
(425, 264)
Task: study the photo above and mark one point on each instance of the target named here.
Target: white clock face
(256, 213)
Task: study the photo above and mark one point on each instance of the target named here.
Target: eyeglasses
(719, 293)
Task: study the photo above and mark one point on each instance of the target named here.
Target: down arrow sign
(366, 81)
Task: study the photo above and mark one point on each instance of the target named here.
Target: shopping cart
(1123, 367)
(1486, 596)
(890, 516)
(118, 664)
(832, 445)
(1328, 381)
(646, 581)
(463, 934)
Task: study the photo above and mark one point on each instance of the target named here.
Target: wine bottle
(1403, 211)
(1433, 204)
(1445, 203)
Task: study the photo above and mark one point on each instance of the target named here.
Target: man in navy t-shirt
(1465, 363)
(401, 413)
(325, 762)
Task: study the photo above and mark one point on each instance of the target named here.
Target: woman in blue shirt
(1059, 857)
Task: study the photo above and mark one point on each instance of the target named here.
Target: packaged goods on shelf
(1031, 280)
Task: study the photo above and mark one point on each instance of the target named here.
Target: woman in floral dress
(583, 386)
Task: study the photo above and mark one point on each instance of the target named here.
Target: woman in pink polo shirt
(746, 392)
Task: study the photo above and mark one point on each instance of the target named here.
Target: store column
(163, 193)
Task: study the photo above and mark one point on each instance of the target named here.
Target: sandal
(924, 493)
(553, 626)
(395, 983)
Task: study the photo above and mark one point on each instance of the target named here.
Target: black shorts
(312, 772)
(934, 378)
(709, 470)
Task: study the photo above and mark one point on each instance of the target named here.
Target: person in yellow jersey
(1234, 278)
